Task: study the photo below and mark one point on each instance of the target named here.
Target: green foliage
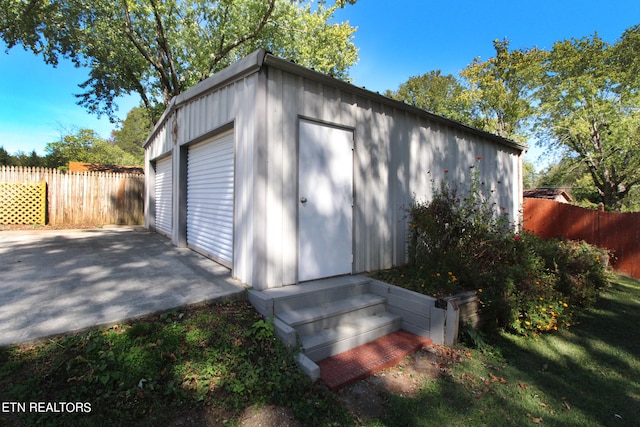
(436, 93)
(148, 372)
(133, 133)
(525, 284)
(501, 89)
(456, 232)
(86, 146)
(159, 49)
(571, 174)
(21, 159)
(529, 176)
(589, 109)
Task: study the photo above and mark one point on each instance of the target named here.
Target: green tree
(589, 109)
(5, 157)
(529, 175)
(133, 133)
(159, 48)
(20, 158)
(501, 90)
(437, 93)
(570, 174)
(85, 146)
(28, 160)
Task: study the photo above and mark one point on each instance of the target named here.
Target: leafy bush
(526, 284)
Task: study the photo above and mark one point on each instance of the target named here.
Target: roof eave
(244, 67)
(272, 60)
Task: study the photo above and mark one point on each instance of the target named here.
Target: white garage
(285, 175)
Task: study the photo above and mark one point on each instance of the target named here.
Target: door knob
(303, 200)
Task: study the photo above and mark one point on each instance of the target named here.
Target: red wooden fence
(617, 232)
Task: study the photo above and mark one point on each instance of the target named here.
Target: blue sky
(396, 40)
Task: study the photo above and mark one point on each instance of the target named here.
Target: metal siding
(164, 195)
(210, 196)
(398, 156)
(244, 127)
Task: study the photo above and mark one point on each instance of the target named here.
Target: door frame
(351, 130)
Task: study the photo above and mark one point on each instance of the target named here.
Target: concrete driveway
(61, 281)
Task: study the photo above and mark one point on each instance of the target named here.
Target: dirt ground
(365, 399)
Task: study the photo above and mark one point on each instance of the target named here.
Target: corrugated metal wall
(398, 155)
(229, 106)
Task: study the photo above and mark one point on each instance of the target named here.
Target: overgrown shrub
(526, 284)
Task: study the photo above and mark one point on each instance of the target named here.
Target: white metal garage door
(210, 171)
(163, 192)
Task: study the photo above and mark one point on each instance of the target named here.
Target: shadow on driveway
(60, 281)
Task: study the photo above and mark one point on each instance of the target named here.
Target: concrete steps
(348, 335)
(331, 316)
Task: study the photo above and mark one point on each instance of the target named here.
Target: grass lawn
(223, 358)
(588, 375)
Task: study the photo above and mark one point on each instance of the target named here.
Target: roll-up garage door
(210, 184)
(163, 195)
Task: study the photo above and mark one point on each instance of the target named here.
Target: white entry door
(325, 198)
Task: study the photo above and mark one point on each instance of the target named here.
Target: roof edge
(247, 65)
(272, 60)
(260, 57)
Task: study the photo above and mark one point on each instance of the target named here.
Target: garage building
(285, 175)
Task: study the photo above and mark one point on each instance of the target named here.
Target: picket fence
(84, 197)
(617, 232)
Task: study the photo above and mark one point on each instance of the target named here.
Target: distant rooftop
(95, 167)
(548, 193)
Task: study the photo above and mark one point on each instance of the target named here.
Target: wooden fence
(617, 232)
(85, 197)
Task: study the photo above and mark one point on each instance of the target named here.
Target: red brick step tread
(360, 362)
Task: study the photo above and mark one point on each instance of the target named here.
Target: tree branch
(225, 50)
(158, 66)
(166, 49)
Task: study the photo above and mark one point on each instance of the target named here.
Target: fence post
(452, 323)
(43, 202)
